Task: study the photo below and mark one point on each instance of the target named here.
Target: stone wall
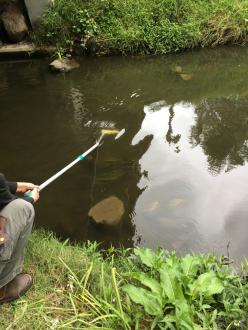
(36, 9)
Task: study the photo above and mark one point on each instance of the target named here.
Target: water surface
(180, 170)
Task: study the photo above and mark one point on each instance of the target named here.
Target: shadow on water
(180, 170)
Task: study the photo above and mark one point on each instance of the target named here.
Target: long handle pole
(66, 168)
(80, 157)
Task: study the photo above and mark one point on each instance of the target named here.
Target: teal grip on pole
(81, 157)
(27, 194)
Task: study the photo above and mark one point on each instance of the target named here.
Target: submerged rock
(63, 65)
(186, 76)
(14, 23)
(178, 69)
(108, 211)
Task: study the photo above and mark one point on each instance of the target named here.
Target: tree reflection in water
(221, 129)
(170, 138)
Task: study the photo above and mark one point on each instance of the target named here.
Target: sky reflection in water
(185, 204)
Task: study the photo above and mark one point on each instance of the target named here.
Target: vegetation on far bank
(81, 288)
(143, 26)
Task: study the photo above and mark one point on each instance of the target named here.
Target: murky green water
(180, 170)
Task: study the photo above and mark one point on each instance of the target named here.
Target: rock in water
(64, 65)
(186, 76)
(14, 23)
(108, 211)
(178, 69)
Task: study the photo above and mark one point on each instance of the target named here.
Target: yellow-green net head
(109, 131)
(115, 132)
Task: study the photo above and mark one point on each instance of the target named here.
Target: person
(16, 221)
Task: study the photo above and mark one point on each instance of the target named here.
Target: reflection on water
(221, 129)
(170, 138)
(179, 173)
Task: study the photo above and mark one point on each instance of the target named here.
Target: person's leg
(19, 216)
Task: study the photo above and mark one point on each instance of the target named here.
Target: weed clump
(80, 287)
(142, 26)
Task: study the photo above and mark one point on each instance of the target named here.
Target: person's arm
(8, 189)
(5, 195)
(15, 187)
(34, 194)
(12, 186)
(25, 187)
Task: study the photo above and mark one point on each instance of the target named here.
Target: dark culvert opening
(14, 22)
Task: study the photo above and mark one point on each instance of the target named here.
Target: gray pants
(19, 216)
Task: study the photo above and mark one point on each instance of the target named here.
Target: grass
(143, 26)
(83, 288)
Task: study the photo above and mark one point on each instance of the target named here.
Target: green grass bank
(142, 26)
(83, 288)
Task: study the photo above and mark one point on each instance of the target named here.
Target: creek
(179, 173)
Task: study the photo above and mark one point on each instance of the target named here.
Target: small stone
(64, 65)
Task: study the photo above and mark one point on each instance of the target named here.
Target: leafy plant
(192, 292)
(142, 26)
(59, 53)
(80, 287)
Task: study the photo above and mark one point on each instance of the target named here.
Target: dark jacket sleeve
(6, 195)
(12, 186)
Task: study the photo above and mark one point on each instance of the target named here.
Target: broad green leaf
(184, 316)
(182, 321)
(198, 327)
(147, 256)
(171, 285)
(185, 325)
(172, 261)
(207, 284)
(190, 264)
(168, 319)
(151, 303)
(149, 282)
